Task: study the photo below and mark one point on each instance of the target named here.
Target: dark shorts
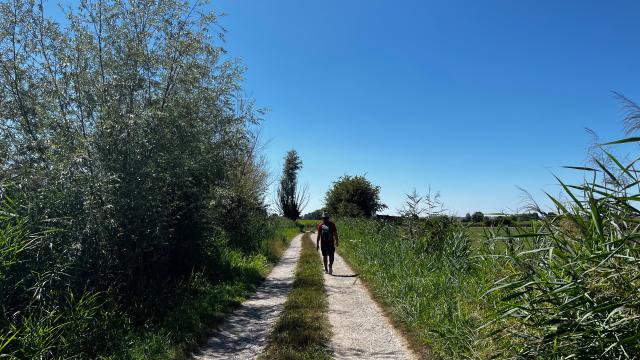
(328, 250)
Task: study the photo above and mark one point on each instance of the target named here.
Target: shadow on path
(346, 276)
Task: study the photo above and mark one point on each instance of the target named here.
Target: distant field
(308, 225)
(309, 222)
(479, 234)
(484, 237)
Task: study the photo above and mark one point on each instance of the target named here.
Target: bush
(42, 315)
(314, 215)
(353, 196)
(477, 217)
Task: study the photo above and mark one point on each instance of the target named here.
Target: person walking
(327, 240)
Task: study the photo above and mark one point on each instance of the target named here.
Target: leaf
(623, 141)
(583, 168)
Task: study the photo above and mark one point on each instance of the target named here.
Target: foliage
(43, 317)
(353, 196)
(575, 293)
(435, 295)
(131, 161)
(314, 215)
(429, 233)
(291, 200)
(417, 205)
(204, 304)
(477, 216)
(307, 225)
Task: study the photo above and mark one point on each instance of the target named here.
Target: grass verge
(435, 299)
(303, 330)
(207, 304)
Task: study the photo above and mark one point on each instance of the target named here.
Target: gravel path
(245, 333)
(360, 328)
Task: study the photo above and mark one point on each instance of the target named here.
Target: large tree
(354, 196)
(291, 200)
(121, 125)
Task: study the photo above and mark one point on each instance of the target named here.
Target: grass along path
(244, 334)
(303, 330)
(436, 299)
(361, 329)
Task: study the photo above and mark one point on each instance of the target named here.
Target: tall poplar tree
(291, 200)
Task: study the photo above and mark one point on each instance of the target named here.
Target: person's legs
(325, 253)
(330, 252)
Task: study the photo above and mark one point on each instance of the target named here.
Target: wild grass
(62, 324)
(565, 286)
(575, 289)
(435, 296)
(205, 304)
(303, 330)
(276, 245)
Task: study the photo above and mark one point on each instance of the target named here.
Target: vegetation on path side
(565, 286)
(132, 193)
(422, 276)
(303, 330)
(207, 304)
(198, 305)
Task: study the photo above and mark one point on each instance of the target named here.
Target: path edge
(407, 336)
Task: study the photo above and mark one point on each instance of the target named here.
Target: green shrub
(353, 196)
(42, 316)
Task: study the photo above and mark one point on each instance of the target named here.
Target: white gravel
(245, 333)
(360, 328)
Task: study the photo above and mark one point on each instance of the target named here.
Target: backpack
(326, 233)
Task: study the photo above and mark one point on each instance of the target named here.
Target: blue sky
(473, 98)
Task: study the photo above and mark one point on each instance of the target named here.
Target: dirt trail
(245, 333)
(360, 328)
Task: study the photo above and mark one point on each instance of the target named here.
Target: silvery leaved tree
(121, 126)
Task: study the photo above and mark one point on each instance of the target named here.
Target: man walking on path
(327, 240)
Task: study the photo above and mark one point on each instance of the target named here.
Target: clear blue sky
(473, 98)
